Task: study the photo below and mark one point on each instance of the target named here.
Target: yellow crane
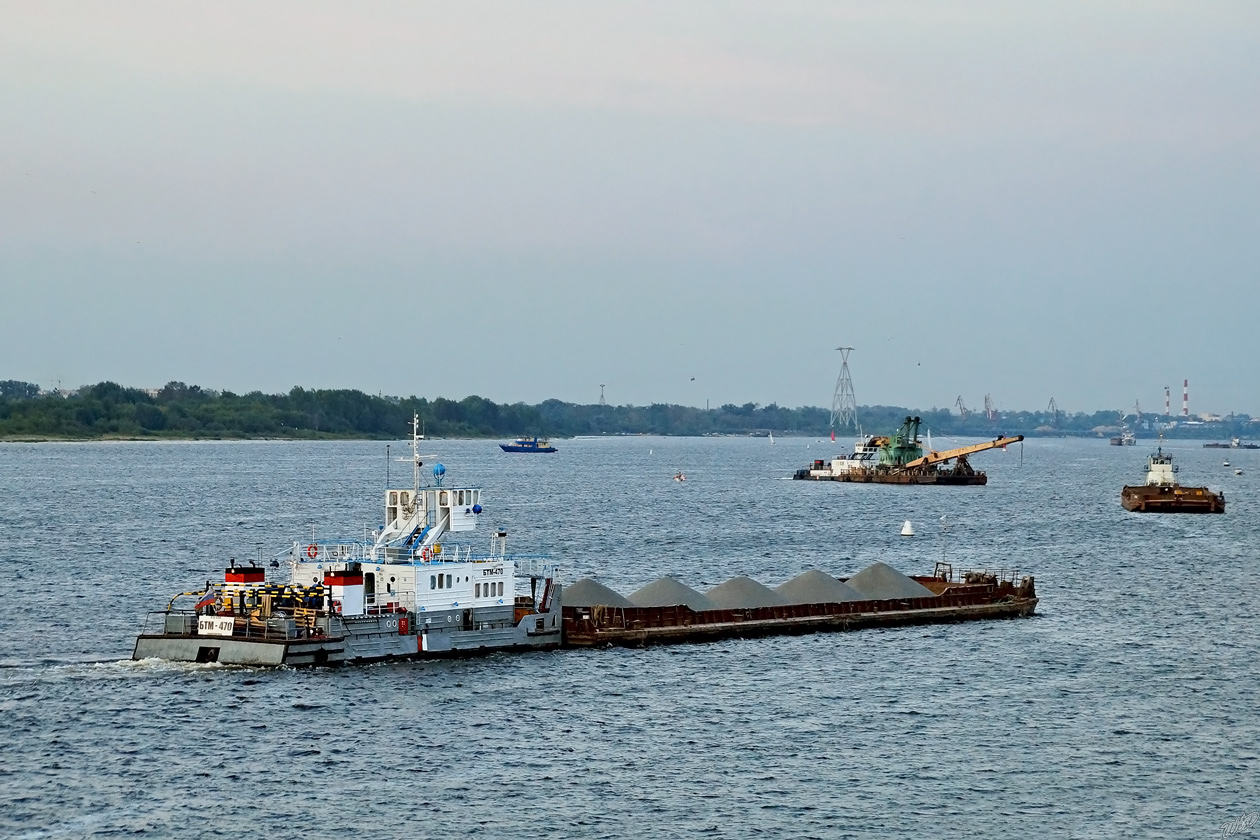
(948, 454)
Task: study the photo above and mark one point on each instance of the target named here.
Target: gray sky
(525, 200)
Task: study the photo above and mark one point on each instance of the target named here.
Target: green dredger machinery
(903, 446)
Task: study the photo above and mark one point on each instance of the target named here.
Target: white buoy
(907, 530)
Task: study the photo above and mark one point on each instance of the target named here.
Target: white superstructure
(1160, 471)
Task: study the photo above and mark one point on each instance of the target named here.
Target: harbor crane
(1053, 410)
(962, 452)
(962, 407)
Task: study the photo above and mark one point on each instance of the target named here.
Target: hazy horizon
(683, 201)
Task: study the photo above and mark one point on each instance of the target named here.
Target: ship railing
(534, 565)
(291, 623)
(990, 575)
(395, 600)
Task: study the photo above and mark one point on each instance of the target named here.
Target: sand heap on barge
(1162, 494)
(878, 596)
(899, 459)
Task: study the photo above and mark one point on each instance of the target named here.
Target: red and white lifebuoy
(336, 607)
(312, 551)
(425, 553)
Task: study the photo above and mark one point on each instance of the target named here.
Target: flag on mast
(208, 598)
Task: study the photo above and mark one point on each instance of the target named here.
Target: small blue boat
(528, 444)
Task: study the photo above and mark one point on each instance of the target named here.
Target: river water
(1126, 707)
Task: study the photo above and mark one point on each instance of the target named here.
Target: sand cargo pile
(669, 612)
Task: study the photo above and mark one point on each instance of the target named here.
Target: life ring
(312, 551)
(336, 607)
(425, 554)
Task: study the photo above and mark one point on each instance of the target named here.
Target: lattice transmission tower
(843, 402)
(602, 401)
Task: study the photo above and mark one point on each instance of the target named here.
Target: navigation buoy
(907, 530)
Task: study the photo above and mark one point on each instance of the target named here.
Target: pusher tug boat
(1162, 494)
(406, 594)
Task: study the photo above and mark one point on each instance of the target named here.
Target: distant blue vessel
(528, 444)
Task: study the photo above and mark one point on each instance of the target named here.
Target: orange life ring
(312, 551)
(425, 553)
(336, 607)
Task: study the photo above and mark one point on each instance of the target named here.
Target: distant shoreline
(840, 440)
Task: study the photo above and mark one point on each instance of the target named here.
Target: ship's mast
(415, 451)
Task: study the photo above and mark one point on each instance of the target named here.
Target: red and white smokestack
(1167, 401)
(1185, 398)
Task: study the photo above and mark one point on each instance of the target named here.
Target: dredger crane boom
(948, 454)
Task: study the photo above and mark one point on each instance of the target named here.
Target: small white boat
(772, 438)
(680, 477)
(1237, 472)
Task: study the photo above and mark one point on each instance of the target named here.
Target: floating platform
(990, 598)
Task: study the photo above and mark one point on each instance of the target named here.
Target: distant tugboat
(528, 444)
(1125, 439)
(1162, 494)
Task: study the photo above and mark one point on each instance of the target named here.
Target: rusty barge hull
(640, 626)
(975, 479)
(961, 475)
(1149, 499)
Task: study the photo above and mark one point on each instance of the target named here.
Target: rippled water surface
(1127, 707)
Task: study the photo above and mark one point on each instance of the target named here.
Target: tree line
(177, 410)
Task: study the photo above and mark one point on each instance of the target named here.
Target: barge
(408, 593)
(1162, 494)
(976, 596)
(900, 459)
(1235, 443)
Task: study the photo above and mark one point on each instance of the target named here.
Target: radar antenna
(843, 402)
